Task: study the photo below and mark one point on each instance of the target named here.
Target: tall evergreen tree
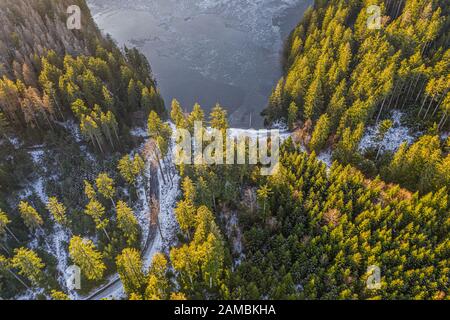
(29, 264)
(57, 210)
(129, 267)
(127, 222)
(96, 210)
(84, 254)
(30, 216)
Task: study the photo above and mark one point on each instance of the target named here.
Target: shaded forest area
(68, 100)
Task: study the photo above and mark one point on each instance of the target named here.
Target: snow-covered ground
(72, 127)
(234, 234)
(168, 193)
(257, 133)
(56, 242)
(139, 132)
(326, 157)
(280, 124)
(168, 223)
(393, 138)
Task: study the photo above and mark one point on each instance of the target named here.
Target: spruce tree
(58, 295)
(292, 115)
(218, 118)
(157, 284)
(96, 210)
(127, 222)
(177, 115)
(84, 254)
(129, 267)
(30, 216)
(105, 186)
(320, 133)
(29, 265)
(57, 210)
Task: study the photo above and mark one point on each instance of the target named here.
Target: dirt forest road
(115, 286)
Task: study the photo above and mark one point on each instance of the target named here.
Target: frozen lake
(207, 51)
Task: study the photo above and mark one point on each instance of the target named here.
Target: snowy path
(167, 195)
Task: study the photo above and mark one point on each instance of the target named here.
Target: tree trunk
(423, 103)
(45, 238)
(399, 94)
(160, 169)
(110, 138)
(18, 279)
(439, 104)
(428, 109)
(107, 235)
(381, 109)
(12, 234)
(409, 89)
(443, 121)
(398, 8)
(392, 97)
(6, 249)
(99, 144)
(379, 151)
(420, 91)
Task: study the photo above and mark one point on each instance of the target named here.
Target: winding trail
(114, 286)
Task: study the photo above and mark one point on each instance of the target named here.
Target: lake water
(207, 51)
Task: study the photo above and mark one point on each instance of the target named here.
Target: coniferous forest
(88, 176)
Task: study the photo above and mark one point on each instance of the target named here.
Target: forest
(308, 232)
(69, 99)
(87, 176)
(341, 76)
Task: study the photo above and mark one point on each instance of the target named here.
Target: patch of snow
(326, 157)
(139, 132)
(59, 243)
(88, 154)
(56, 242)
(15, 142)
(39, 189)
(256, 133)
(234, 234)
(74, 130)
(168, 194)
(30, 294)
(37, 154)
(280, 124)
(397, 135)
(142, 209)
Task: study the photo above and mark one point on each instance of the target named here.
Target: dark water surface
(207, 51)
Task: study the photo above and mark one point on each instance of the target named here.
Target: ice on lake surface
(207, 51)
